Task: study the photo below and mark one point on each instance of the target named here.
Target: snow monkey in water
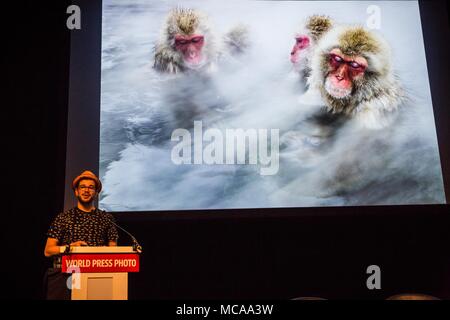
(306, 40)
(351, 77)
(351, 68)
(188, 43)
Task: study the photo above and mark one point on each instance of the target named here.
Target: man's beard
(84, 202)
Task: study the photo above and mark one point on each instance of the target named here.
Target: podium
(99, 273)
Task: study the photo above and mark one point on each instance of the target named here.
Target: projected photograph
(265, 104)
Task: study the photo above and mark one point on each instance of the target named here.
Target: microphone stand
(136, 246)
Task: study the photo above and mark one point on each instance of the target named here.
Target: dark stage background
(307, 252)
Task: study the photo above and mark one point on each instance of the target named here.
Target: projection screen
(231, 104)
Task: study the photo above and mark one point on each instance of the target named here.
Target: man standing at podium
(83, 225)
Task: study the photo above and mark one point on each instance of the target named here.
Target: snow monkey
(306, 40)
(351, 68)
(188, 43)
(351, 78)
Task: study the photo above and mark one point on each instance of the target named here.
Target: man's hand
(78, 243)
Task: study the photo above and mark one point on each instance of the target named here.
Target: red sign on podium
(100, 262)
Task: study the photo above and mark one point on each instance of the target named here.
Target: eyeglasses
(90, 188)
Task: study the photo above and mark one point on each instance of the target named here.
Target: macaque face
(191, 48)
(302, 42)
(343, 71)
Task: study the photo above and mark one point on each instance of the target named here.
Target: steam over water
(140, 108)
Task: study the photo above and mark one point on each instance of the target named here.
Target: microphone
(136, 246)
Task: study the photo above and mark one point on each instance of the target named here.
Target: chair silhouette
(412, 296)
(308, 298)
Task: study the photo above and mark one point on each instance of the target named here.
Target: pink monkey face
(343, 71)
(301, 43)
(191, 48)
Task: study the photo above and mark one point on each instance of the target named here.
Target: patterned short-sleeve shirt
(95, 228)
